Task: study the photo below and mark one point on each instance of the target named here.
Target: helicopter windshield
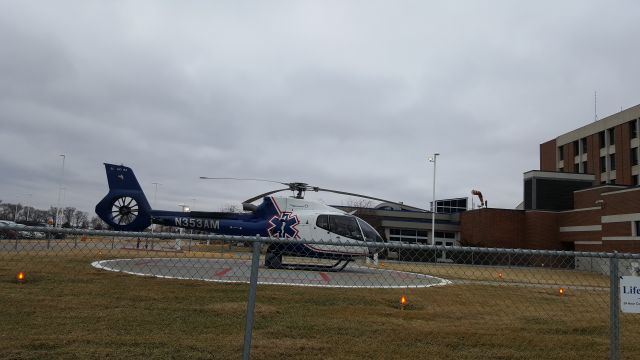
(370, 234)
(341, 225)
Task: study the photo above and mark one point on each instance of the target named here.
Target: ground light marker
(21, 277)
(500, 275)
(561, 292)
(403, 302)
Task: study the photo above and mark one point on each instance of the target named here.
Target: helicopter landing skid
(338, 266)
(274, 261)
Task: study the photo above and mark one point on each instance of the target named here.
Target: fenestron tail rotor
(124, 210)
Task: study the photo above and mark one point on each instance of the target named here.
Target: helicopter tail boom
(125, 207)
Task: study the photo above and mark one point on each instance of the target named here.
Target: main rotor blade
(370, 198)
(243, 179)
(263, 195)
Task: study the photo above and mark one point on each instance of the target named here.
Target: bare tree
(360, 203)
(230, 208)
(97, 224)
(67, 215)
(80, 219)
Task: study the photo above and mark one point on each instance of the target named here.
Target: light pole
(155, 202)
(433, 159)
(29, 195)
(185, 208)
(155, 193)
(60, 191)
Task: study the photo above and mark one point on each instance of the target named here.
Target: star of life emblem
(284, 226)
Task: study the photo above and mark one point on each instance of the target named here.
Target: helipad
(238, 271)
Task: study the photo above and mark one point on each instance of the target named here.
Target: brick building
(586, 196)
(607, 148)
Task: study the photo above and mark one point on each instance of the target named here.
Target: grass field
(69, 310)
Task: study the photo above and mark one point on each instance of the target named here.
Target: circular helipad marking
(238, 271)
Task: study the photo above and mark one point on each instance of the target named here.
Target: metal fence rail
(510, 303)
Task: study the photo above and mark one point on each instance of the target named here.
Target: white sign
(630, 294)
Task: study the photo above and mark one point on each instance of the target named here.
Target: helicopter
(125, 208)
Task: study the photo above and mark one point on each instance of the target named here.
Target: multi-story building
(586, 196)
(608, 148)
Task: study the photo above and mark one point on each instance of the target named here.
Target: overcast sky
(348, 95)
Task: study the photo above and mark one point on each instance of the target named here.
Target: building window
(584, 144)
(409, 236)
(601, 139)
(445, 235)
(584, 167)
(561, 153)
(612, 136)
(603, 164)
(612, 162)
(634, 180)
(451, 206)
(634, 156)
(576, 148)
(576, 168)
(633, 128)
(636, 228)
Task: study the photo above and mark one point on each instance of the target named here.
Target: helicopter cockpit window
(345, 226)
(323, 222)
(370, 234)
(340, 225)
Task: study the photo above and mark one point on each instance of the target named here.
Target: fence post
(614, 305)
(251, 302)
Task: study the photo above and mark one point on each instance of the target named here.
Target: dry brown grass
(70, 310)
(520, 275)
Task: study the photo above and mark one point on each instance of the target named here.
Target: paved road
(234, 270)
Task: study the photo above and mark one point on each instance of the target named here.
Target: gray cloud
(346, 95)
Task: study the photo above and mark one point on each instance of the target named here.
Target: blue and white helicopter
(125, 208)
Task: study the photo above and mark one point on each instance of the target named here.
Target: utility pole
(433, 159)
(60, 192)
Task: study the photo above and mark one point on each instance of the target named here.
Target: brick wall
(548, 156)
(541, 230)
(500, 228)
(579, 218)
(587, 198)
(626, 202)
(623, 154)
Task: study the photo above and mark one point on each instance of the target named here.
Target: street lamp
(185, 208)
(155, 193)
(155, 202)
(60, 191)
(433, 159)
(29, 195)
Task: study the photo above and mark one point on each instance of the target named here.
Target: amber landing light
(403, 302)
(561, 291)
(20, 277)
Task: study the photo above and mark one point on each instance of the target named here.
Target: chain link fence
(88, 294)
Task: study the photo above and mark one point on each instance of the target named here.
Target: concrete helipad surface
(238, 271)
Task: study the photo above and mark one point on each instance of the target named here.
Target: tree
(80, 219)
(230, 208)
(360, 203)
(67, 215)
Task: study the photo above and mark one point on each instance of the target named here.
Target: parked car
(12, 234)
(17, 234)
